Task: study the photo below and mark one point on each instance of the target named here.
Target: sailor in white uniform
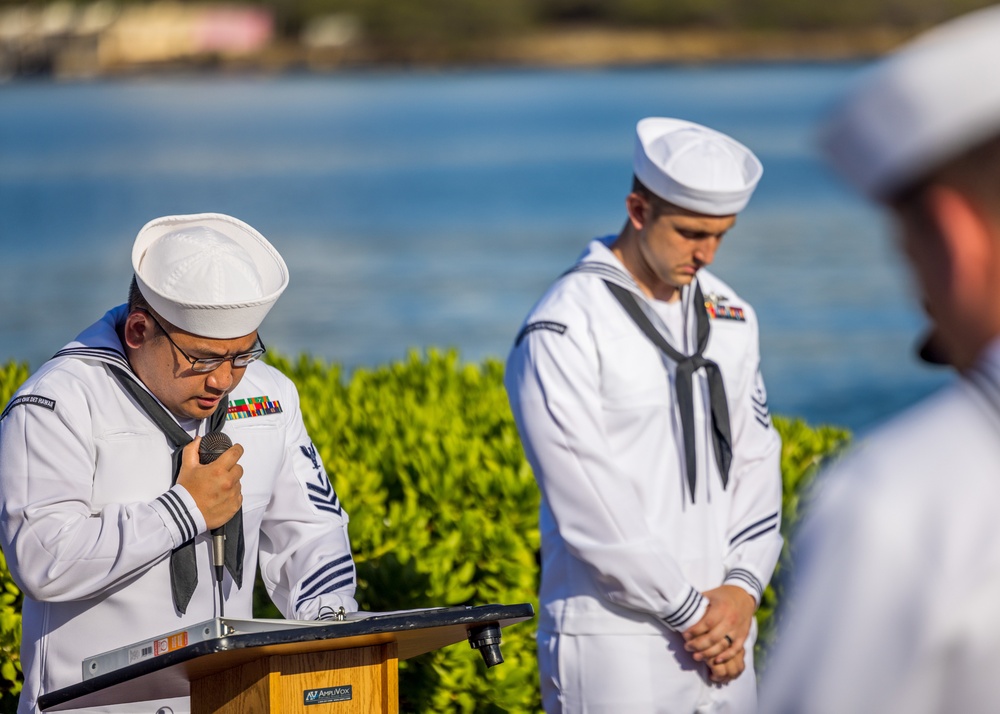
(895, 605)
(636, 388)
(105, 507)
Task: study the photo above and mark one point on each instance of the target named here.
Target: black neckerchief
(183, 562)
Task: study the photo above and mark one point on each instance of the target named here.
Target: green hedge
(425, 456)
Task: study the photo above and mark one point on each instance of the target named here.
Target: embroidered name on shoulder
(252, 407)
(717, 309)
(31, 399)
(540, 325)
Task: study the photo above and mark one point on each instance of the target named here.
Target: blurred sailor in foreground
(897, 604)
(105, 506)
(636, 389)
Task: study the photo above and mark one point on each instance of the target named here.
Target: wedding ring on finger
(729, 640)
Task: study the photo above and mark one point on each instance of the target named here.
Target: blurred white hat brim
(924, 105)
(207, 273)
(694, 167)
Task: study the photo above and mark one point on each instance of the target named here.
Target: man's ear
(638, 208)
(138, 328)
(966, 240)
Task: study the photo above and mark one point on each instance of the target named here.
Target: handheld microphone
(212, 446)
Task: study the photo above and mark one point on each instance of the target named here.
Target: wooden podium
(342, 667)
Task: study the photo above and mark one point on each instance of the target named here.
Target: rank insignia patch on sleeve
(252, 407)
(321, 492)
(758, 400)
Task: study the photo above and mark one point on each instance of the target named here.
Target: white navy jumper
(90, 516)
(628, 545)
(902, 553)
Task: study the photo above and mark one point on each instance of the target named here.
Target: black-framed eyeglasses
(210, 364)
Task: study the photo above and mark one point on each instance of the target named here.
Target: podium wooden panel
(277, 671)
(277, 683)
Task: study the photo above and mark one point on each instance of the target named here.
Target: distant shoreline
(589, 47)
(607, 47)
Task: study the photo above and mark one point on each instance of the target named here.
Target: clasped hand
(730, 612)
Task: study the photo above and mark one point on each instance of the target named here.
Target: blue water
(419, 209)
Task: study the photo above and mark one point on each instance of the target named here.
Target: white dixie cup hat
(924, 105)
(207, 273)
(694, 167)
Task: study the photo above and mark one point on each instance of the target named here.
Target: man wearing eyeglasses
(106, 509)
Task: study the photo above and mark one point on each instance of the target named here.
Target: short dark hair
(655, 202)
(136, 301)
(975, 172)
(659, 204)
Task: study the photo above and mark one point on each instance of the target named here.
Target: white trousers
(629, 674)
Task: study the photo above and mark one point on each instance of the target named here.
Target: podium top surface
(169, 675)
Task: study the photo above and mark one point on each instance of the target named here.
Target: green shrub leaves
(444, 511)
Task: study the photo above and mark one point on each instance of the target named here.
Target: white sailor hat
(924, 105)
(207, 273)
(694, 167)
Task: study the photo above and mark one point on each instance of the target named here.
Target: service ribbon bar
(252, 407)
(724, 312)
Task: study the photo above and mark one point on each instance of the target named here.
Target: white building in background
(78, 40)
(169, 31)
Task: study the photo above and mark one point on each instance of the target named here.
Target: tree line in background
(401, 24)
(404, 23)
